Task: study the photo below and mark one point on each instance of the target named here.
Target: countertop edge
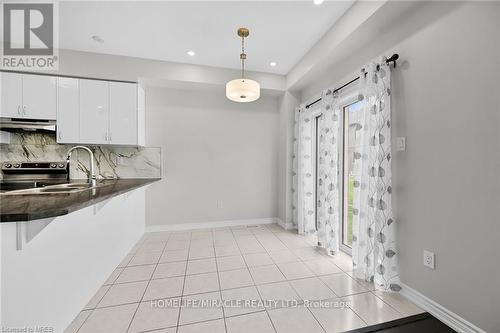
(61, 211)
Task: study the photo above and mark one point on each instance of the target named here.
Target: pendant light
(243, 90)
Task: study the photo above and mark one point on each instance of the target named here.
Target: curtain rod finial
(393, 59)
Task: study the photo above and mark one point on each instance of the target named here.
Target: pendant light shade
(243, 90)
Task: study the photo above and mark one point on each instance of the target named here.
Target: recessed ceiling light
(273, 64)
(191, 53)
(318, 2)
(97, 39)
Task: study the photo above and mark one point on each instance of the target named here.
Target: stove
(26, 175)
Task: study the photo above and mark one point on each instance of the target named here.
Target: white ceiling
(281, 31)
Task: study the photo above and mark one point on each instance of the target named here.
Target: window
(351, 115)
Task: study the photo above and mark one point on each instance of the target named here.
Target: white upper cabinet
(68, 110)
(87, 111)
(123, 113)
(12, 95)
(39, 97)
(94, 111)
(28, 96)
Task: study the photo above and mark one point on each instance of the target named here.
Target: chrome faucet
(92, 177)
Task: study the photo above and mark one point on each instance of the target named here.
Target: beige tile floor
(235, 264)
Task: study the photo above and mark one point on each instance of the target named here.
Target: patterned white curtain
(295, 168)
(328, 172)
(374, 247)
(304, 181)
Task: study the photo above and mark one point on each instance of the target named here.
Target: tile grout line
(218, 280)
(357, 315)
(258, 291)
(403, 315)
(183, 284)
(83, 323)
(147, 286)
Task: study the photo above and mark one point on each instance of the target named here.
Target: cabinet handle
(19, 109)
(110, 137)
(24, 110)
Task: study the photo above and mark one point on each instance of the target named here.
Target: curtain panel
(305, 179)
(374, 246)
(328, 203)
(295, 168)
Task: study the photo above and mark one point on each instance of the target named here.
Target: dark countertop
(17, 207)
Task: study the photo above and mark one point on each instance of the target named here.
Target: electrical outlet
(401, 143)
(429, 258)
(219, 204)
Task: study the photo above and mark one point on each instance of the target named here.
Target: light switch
(401, 143)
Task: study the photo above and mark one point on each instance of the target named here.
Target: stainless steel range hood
(30, 125)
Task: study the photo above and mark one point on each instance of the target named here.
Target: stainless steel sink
(56, 189)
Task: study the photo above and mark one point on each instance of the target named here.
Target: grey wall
(213, 149)
(446, 101)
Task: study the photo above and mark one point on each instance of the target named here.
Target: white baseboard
(448, 317)
(210, 224)
(285, 225)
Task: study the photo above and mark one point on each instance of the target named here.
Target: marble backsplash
(110, 162)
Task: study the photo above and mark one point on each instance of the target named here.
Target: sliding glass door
(351, 128)
(351, 114)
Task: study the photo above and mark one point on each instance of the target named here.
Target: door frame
(315, 114)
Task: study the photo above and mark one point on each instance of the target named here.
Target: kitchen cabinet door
(39, 97)
(122, 113)
(11, 87)
(94, 111)
(68, 110)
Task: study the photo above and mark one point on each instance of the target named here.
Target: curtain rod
(392, 59)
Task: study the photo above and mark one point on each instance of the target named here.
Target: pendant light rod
(243, 33)
(242, 57)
